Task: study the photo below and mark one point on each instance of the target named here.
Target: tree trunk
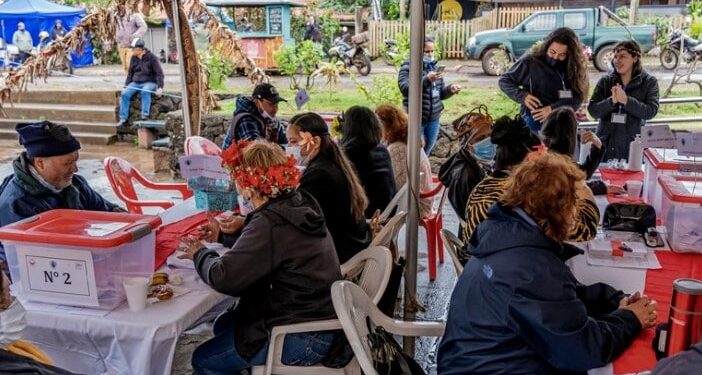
(633, 10)
(403, 14)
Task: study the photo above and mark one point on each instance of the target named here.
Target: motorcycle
(670, 55)
(351, 55)
(390, 52)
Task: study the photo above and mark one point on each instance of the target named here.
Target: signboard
(253, 47)
(275, 20)
(209, 166)
(689, 144)
(659, 136)
(58, 276)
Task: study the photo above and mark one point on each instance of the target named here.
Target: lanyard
(562, 80)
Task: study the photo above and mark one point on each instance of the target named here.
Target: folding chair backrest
(197, 145)
(398, 203)
(390, 230)
(453, 244)
(370, 269)
(353, 307)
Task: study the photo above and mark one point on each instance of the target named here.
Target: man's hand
(159, 92)
(589, 136)
(540, 114)
(532, 102)
(455, 89)
(433, 76)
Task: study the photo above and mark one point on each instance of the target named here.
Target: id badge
(565, 94)
(619, 118)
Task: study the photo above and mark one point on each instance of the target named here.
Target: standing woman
(623, 101)
(552, 75)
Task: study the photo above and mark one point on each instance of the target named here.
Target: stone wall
(160, 106)
(214, 127)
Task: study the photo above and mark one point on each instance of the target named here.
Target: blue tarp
(40, 15)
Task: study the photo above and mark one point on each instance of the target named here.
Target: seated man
(145, 75)
(45, 178)
(254, 118)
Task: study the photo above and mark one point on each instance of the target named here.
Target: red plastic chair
(433, 223)
(121, 174)
(197, 145)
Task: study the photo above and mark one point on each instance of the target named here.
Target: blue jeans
(430, 132)
(533, 125)
(132, 89)
(218, 356)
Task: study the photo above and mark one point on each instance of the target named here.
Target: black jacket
(533, 75)
(326, 182)
(432, 92)
(642, 105)
(282, 266)
(145, 69)
(11, 363)
(374, 168)
(533, 316)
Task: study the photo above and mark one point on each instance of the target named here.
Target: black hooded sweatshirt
(282, 266)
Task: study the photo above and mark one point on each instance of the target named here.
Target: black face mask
(558, 64)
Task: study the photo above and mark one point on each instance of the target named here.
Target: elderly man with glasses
(254, 117)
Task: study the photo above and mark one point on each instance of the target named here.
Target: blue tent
(40, 15)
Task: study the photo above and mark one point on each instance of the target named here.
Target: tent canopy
(40, 15)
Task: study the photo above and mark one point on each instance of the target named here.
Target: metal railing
(663, 120)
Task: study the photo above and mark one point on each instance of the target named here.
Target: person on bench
(145, 75)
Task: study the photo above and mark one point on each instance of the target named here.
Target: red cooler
(79, 258)
(658, 162)
(681, 211)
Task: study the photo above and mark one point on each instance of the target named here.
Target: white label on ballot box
(57, 275)
(689, 144)
(657, 136)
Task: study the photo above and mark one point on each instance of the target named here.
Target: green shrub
(696, 28)
(218, 69)
(383, 89)
(302, 58)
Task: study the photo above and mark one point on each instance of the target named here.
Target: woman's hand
(589, 136)
(532, 102)
(232, 224)
(618, 95)
(540, 114)
(433, 76)
(190, 246)
(210, 231)
(645, 311)
(455, 89)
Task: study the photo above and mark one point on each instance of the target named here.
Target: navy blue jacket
(517, 308)
(145, 69)
(533, 75)
(22, 196)
(432, 92)
(253, 126)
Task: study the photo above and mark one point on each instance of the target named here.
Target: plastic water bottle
(636, 154)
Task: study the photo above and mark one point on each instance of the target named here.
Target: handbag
(628, 217)
(388, 357)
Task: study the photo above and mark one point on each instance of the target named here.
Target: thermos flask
(685, 321)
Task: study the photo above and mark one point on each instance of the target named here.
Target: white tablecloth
(122, 342)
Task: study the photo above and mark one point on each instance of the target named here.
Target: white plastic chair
(374, 265)
(398, 203)
(353, 306)
(453, 244)
(390, 230)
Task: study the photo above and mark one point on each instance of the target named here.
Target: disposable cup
(136, 289)
(633, 188)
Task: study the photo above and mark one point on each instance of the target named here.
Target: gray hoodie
(130, 26)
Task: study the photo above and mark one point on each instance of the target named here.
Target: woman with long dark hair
(361, 143)
(552, 75)
(332, 181)
(560, 134)
(623, 101)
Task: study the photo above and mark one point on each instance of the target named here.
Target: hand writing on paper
(190, 246)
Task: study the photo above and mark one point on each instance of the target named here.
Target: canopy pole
(181, 63)
(414, 112)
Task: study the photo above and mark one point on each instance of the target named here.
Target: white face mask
(295, 151)
(245, 205)
(12, 323)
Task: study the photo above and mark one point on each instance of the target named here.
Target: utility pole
(633, 10)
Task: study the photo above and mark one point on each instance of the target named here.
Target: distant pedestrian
(22, 39)
(130, 25)
(244, 26)
(313, 31)
(58, 31)
(202, 36)
(434, 91)
(145, 75)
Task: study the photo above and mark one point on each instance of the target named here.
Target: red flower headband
(274, 181)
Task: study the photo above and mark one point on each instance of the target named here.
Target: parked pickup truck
(592, 25)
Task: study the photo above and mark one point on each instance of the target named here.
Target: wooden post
(633, 10)
(403, 14)
(358, 20)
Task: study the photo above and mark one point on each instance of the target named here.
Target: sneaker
(121, 123)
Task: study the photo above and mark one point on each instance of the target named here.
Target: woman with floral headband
(282, 266)
(332, 181)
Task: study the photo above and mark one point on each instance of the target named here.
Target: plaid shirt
(249, 127)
